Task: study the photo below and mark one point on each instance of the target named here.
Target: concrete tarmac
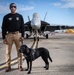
(61, 48)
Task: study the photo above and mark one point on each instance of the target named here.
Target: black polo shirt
(12, 23)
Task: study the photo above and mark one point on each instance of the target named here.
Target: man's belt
(14, 32)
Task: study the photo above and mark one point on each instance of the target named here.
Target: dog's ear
(27, 49)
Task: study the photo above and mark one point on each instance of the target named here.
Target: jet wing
(46, 26)
(52, 28)
(27, 26)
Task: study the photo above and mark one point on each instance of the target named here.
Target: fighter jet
(36, 26)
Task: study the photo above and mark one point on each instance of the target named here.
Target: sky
(59, 12)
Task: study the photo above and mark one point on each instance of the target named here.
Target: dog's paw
(26, 69)
(44, 66)
(47, 68)
(51, 61)
(29, 72)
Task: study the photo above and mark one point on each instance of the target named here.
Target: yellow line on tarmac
(4, 65)
(35, 44)
(15, 61)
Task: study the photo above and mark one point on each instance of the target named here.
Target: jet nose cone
(35, 15)
(36, 22)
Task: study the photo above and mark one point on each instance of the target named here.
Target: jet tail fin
(45, 16)
(28, 18)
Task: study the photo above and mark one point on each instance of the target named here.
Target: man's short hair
(11, 5)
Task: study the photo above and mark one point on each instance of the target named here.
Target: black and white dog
(30, 55)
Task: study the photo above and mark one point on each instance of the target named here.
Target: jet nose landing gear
(46, 36)
(36, 38)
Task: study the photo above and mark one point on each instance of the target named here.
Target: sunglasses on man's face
(12, 6)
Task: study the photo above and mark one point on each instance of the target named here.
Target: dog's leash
(23, 60)
(23, 55)
(21, 42)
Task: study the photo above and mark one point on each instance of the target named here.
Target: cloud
(4, 8)
(65, 3)
(32, 2)
(68, 4)
(24, 8)
(57, 4)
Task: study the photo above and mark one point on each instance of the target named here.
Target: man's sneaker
(7, 69)
(20, 68)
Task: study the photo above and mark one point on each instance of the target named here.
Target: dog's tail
(49, 58)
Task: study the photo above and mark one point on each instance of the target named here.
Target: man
(13, 32)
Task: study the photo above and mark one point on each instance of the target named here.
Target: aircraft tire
(46, 36)
(27, 36)
(34, 38)
(38, 38)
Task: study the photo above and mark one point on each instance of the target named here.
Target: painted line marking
(16, 60)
